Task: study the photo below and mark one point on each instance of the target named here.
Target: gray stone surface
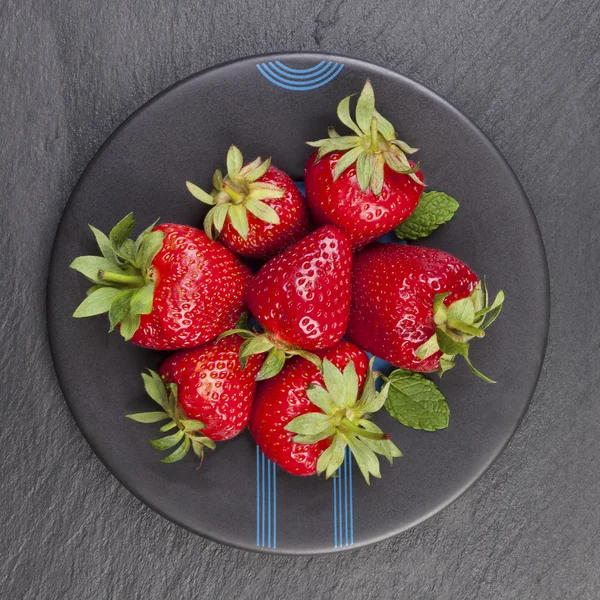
(528, 73)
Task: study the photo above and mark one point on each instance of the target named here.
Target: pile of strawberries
(288, 374)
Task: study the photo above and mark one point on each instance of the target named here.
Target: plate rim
(386, 72)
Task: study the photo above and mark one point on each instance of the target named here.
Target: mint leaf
(434, 209)
(416, 402)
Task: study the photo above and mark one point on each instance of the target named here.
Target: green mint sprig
(434, 209)
(416, 401)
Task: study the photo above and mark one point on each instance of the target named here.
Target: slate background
(526, 72)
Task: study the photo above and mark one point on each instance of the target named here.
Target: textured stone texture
(526, 72)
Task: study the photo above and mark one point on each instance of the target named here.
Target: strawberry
(257, 210)
(363, 183)
(301, 298)
(303, 419)
(205, 395)
(172, 288)
(417, 307)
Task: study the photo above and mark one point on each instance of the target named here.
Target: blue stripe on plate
(262, 481)
(351, 504)
(274, 505)
(258, 496)
(335, 538)
(269, 505)
(345, 465)
(266, 501)
(340, 506)
(343, 510)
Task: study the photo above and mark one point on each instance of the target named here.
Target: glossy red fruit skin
(302, 296)
(199, 291)
(393, 286)
(283, 398)
(211, 386)
(266, 239)
(364, 216)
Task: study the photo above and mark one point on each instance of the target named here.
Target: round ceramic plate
(271, 105)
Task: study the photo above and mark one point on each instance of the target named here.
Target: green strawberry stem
(466, 328)
(134, 280)
(373, 144)
(122, 282)
(374, 135)
(236, 196)
(276, 350)
(241, 191)
(189, 431)
(356, 430)
(458, 324)
(343, 419)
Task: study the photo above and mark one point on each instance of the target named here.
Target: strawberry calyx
(374, 145)
(458, 324)
(236, 194)
(188, 434)
(277, 350)
(344, 417)
(123, 276)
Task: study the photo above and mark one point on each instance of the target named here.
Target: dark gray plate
(271, 105)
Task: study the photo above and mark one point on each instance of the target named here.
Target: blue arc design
(291, 70)
(318, 77)
(312, 75)
(314, 82)
(300, 80)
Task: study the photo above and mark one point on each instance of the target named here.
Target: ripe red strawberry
(172, 288)
(257, 210)
(301, 298)
(416, 307)
(363, 183)
(205, 395)
(303, 419)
